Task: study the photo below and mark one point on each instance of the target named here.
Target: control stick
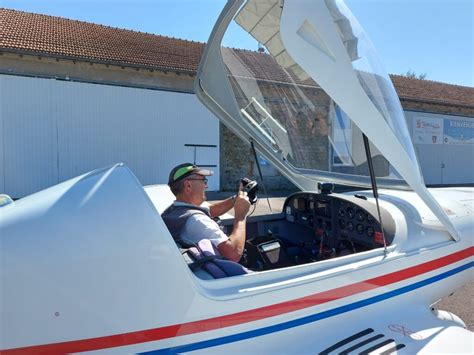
(251, 188)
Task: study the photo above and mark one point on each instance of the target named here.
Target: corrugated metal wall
(2, 140)
(444, 159)
(54, 130)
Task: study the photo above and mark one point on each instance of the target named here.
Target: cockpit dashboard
(314, 227)
(338, 217)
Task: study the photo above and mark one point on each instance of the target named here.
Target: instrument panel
(335, 218)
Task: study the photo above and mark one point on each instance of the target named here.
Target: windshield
(371, 74)
(288, 110)
(301, 80)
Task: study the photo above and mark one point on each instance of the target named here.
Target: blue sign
(458, 132)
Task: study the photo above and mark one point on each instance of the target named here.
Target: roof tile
(49, 35)
(433, 91)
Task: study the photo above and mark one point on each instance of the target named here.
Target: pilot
(188, 220)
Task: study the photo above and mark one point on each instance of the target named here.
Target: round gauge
(341, 212)
(360, 229)
(342, 224)
(350, 226)
(370, 231)
(350, 212)
(370, 219)
(360, 215)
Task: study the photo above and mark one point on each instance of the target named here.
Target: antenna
(374, 186)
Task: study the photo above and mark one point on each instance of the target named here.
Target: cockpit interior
(314, 227)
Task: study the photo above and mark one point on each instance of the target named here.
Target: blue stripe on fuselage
(307, 319)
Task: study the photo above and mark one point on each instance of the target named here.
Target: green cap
(183, 170)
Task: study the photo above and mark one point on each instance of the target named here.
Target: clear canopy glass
(286, 108)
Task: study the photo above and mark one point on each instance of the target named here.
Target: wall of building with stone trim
(237, 161)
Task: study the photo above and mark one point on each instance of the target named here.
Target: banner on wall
(341, 138)
(428, 130)
(458, 132)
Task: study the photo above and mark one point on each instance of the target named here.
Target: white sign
(428, 130)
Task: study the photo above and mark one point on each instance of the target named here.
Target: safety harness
(202, 255)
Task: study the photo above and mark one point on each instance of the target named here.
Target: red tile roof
(433, 91)
(262, 66)
(60, 37)
(28, 33)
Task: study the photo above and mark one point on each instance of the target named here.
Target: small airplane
(89, 266)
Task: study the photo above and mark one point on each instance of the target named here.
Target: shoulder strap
(173, 208)
(175, 217)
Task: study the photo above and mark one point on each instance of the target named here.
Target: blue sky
(432, 37)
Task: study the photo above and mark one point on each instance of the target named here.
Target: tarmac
(461, 302)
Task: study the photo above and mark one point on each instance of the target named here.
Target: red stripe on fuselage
(171, 331)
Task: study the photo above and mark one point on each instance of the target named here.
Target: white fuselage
(87, 268)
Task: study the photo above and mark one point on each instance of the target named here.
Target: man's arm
(233, 248)
(219, 208)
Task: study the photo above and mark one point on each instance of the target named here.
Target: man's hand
(233, 248)
(241, 205)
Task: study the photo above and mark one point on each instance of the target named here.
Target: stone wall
(304, 143)
(309, 125)
(237, 161)
(237, 158)
(75, 70)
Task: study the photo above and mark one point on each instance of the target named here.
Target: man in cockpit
(188, 221)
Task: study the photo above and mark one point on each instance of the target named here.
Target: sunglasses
(205, 180)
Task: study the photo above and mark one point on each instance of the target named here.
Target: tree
(412, 75)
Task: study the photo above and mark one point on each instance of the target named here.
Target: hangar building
(76, 96)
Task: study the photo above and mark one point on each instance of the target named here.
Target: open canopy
(307, 95)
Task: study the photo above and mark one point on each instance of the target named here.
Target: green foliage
(412, 75)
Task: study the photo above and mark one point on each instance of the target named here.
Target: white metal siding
(443, 163)
(60, 129)
(458, 164)
(430, 158)
(2, 139)
(29, 136)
